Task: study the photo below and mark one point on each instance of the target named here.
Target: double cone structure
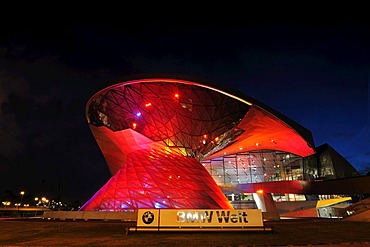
(154, 133)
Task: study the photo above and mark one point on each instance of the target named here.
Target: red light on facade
(133, 192)
(136, 167)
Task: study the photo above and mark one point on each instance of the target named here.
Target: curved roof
(198, 119)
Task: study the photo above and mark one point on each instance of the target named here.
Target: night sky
(315, 71)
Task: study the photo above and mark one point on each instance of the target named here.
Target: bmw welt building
(175, 143)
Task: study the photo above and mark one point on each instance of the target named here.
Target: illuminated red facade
(156, 133)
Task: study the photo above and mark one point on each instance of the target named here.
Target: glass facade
(326, 166)
(261, 166)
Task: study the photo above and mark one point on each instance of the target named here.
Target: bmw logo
(148, 217)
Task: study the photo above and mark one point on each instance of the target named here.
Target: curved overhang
(264, 131)
(167, 80)
(199, 120)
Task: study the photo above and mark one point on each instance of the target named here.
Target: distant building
(173, 143)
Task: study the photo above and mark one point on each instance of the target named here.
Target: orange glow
(134, 125)
(148, 104)
(205, 136)
(176, 95)
(270, 133)
(259, 191)
(216, 139)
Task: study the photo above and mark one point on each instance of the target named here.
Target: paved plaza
(307, 232)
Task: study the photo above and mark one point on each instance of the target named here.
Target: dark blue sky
(315, 71)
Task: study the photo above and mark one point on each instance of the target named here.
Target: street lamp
(45, 201)
(22, 194)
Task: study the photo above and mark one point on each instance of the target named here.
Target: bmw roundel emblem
(148, 217)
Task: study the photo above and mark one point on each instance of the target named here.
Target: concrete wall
(90, 215)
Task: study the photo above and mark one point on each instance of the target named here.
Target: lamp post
(20, 203)
(45, 201)
(22, 194)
